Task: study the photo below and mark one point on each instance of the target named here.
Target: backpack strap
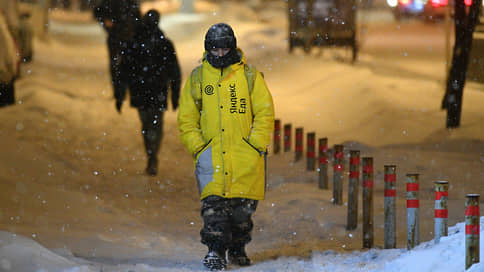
(250, 75)
(196, 78)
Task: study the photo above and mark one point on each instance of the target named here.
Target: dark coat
(152, 67)
(124, 15)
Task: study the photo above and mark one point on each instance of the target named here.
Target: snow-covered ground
(74, 193)
(19, 253)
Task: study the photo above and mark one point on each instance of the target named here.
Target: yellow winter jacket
(227, 130)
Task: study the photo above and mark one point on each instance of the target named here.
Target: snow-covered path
(72, 168)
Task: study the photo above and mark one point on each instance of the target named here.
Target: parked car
(436, 9)
(407, 8)
(425, 9)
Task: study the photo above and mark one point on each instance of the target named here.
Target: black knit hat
(152, 17)
(220, 36)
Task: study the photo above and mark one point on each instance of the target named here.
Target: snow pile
(22, 254)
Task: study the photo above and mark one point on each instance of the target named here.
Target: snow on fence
(472, 213)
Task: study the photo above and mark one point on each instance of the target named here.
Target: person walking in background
(226, 119)
(9, 60)
(151, 66)
(120, 18)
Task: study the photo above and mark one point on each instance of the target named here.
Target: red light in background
(439, 3)
(404, 2)
(436, 3)
(468, 2)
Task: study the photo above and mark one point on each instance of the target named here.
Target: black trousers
(152, 129)
(7, 93)
(227, 222)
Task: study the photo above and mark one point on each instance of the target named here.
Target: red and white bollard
(441, 210)
(323, 163)
(299, 143)
(287, 137)
(353, 185)
(390, 239)
(338, 174)
(277, 136)
(472, 229)
(311, 151)
(368, 232)
(413, 236)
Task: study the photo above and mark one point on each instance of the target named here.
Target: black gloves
(175, 106)
(119, 103)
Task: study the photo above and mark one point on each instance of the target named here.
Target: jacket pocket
(248, 170)
(202, 149)
(253, 147)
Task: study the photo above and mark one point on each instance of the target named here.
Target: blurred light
(394, 3)
(468, 2)
(439, 3)
(404, 2)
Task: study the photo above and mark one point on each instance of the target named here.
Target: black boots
(215, 261)
(238, 256)
(152, 168)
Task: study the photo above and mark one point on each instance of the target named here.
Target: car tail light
(468, 2)
(404, 2)
(439, 3)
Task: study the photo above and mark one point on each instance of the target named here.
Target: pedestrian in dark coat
(8, 63)
(120, 18)
(152, 66)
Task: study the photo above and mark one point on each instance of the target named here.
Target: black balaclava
(221, 36)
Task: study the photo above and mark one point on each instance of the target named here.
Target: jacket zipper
(220, 127)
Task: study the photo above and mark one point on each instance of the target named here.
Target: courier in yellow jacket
(226, 119)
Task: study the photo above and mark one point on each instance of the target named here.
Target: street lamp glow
(392, 3)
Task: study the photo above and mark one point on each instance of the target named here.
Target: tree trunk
(465, 23)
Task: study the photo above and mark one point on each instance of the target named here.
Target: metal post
(390, 207)
(311, 151)
(299, 143)
(277, 136)
(413, 223)
(472, 229)
(368, 233)
(323, 163)
(287, 137)
(338, 168)
(353, 184)
(441, 212)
